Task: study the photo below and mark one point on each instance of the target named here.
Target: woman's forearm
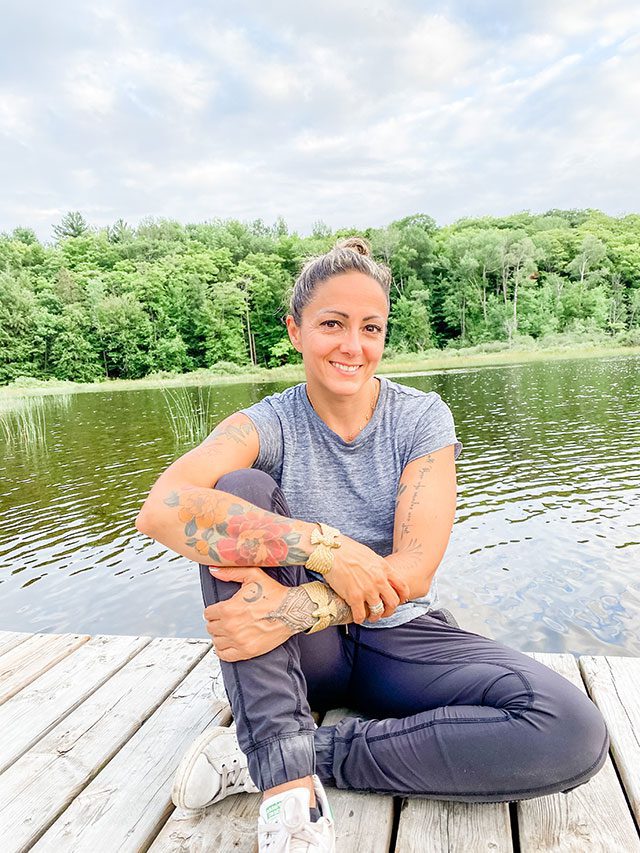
(299, 609)
(417, 572)
(219, 529)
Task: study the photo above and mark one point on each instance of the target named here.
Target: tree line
(124, 302)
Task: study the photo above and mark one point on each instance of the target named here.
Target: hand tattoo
(297, 609)
(256, 595)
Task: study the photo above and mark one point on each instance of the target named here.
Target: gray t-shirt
(352, 485)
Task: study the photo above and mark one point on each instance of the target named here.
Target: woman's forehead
(350, 293)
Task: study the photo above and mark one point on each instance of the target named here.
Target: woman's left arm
(424, 515)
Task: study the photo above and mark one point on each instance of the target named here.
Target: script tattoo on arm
(235, 534)
(297, 609)
(405, 528)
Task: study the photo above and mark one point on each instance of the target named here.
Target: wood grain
(43, 782)
(41, 705)
(593, 817)
(614, 685)
(11, 639)
(28, 660)
(127, 803)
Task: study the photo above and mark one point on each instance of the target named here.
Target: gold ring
(376, 608)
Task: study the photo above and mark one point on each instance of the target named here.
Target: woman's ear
(294, 332)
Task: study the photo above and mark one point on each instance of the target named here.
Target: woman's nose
(351, 342)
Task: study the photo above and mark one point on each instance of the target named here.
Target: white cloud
(321, 111)
(89, 87)
(16, 116)
(436, 52)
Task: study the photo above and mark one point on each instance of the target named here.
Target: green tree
(72, 224)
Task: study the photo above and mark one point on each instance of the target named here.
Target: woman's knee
(574, 742)
(252, 485)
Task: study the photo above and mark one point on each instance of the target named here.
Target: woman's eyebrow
(342, 314)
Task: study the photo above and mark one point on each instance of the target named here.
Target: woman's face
(341, 336)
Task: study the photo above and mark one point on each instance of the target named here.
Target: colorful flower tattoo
(234, 535)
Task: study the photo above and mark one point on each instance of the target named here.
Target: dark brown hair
(350, 255)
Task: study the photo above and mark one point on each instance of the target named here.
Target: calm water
(544, 555)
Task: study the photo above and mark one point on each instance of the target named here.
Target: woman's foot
(213, 767)
(285, 822)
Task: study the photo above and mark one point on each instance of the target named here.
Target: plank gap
(515, 828)
(397, 808)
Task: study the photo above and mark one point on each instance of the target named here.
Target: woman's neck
(346, 415)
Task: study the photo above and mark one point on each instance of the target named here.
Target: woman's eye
(370, 328)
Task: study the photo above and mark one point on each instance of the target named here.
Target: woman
(319, 517)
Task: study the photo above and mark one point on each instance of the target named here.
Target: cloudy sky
(348, 112)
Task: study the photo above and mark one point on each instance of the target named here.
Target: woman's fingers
(400, 586)
(358, 606)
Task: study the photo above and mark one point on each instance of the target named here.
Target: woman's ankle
(305, 782)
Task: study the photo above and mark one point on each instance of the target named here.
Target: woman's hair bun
(356, 244)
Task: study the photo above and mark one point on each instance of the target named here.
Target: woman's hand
(241, 627)
(363, 578)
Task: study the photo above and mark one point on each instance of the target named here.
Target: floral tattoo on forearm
(233, 535)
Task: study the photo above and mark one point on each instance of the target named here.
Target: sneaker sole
(187, 764)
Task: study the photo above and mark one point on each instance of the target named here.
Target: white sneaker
(285, 825)
(213, 767)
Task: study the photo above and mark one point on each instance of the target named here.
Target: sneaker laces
(233, 779)
(293, 833)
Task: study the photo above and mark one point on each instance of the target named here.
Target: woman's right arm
(185, 512)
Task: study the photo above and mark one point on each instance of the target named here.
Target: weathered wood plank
(28, 660)
(614, 685)
(41, 705)
(594, 816)
(129, 800)
(40, 785)
(363, 822)
(446, 826)
(11, 639)
(226, 827)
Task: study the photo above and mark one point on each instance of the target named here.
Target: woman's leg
(459, 717)
(268, 694)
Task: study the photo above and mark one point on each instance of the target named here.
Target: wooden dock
(92, 730)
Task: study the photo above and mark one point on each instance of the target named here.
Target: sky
(349, 113)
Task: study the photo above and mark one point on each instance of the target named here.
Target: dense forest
(123, 302)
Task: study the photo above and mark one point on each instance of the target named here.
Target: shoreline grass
(432, 361)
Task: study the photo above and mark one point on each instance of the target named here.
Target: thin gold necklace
(352, 435)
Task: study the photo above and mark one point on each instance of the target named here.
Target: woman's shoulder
(409, 397)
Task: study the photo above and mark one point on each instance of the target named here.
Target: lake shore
(433, 361)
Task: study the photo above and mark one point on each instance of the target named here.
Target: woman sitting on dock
(319, 516)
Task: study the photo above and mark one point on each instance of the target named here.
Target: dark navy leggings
(442, 712)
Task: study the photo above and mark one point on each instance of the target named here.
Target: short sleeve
(435, 428)
(269, 428)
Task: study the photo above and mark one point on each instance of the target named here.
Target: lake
(544, 554)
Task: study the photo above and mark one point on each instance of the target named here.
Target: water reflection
(543, 556)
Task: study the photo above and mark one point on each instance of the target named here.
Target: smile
(346, 368)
